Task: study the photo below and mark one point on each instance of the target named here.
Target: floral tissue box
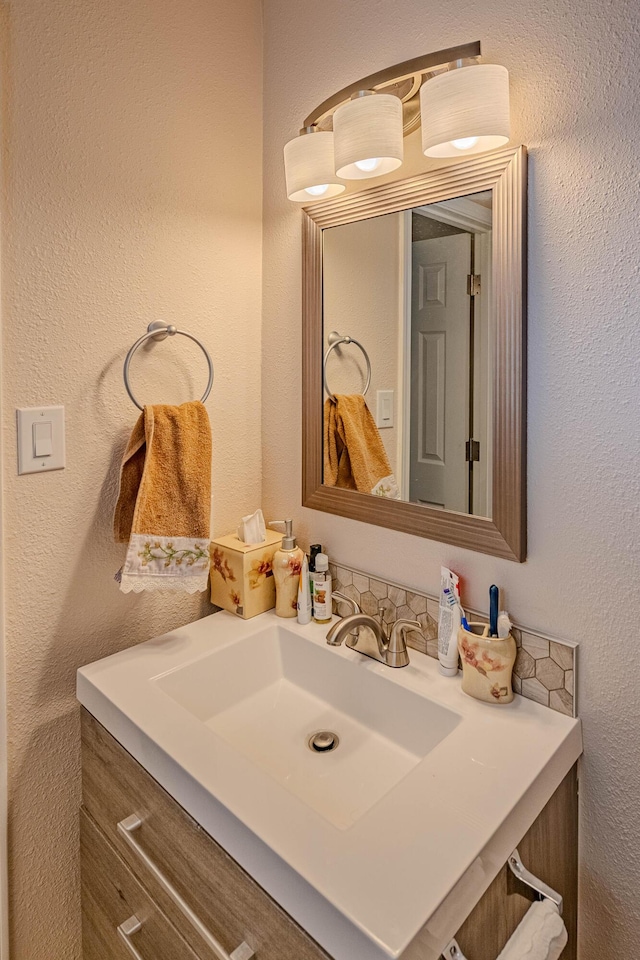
(242, 574)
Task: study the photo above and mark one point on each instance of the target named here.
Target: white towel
(540, 935)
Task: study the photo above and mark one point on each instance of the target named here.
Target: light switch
(40, 439)
(384, 408)
(42, 444)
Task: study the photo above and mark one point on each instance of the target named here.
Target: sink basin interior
(267, 694)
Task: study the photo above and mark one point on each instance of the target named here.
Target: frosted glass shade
(469, 105)
(309, 167)
(368, 131)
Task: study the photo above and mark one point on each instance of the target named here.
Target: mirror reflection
(407, 355)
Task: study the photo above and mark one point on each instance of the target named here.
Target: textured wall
(575, 94)
(132, 192)
(358, 257)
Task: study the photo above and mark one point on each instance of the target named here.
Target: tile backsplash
(544, 670)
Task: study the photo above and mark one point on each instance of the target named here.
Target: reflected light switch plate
(384, 408)
(40, 439)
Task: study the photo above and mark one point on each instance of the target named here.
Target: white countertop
(415, 863)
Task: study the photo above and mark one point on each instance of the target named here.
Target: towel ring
(159, 331)
(335, 340)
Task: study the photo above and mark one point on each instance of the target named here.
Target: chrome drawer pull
(126, 930)
(126, 829)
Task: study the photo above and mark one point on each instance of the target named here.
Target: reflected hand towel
(354, 456)
(164, 502)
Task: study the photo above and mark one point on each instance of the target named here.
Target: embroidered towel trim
(354, 455)
(164, 500)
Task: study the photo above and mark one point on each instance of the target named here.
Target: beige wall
(132, 191)
(575, 95)
(361, 299)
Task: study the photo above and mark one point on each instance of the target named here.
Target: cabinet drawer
(170, 850)
(112, 898)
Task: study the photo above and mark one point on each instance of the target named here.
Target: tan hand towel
(354, 456)
(164, 501)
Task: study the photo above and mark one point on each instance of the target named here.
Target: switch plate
(41, 431)
(384, 408)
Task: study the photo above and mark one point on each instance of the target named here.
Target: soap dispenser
(287, 566)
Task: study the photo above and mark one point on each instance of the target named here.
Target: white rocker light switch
(40, 439)
(384, 410)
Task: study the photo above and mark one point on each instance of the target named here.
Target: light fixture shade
(469, 105)
(309, 166)
(368, 130)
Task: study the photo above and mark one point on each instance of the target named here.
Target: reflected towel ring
(335, 340)
(158, 331)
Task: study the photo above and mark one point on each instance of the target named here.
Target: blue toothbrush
(494, 599)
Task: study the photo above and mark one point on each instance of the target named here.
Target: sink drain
(323, 742)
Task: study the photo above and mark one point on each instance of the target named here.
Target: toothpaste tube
(450, 616)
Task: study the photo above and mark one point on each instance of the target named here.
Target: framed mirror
(415, 293)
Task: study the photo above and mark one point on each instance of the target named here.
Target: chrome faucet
(368, 636)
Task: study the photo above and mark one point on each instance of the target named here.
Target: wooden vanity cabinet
(550, 851)
(167, 891)
(173, 850)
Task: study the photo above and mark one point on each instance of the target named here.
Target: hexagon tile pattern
(544, 670)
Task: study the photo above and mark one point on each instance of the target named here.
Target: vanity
(212, 828)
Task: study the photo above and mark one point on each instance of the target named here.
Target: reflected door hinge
(474, 284)
(472, 450)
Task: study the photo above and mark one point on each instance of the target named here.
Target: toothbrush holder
(487, 664)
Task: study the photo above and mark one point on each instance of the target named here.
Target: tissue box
(242, 574)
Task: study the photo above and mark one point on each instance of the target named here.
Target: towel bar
(453, 952)
(335, 340)
(158, 331)
(538, 886)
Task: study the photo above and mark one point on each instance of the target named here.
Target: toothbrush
(494, 598)
(452, 600)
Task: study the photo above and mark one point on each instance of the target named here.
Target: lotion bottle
(287, 567)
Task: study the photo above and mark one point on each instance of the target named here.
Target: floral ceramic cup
(487, 664)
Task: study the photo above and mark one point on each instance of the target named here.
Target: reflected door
(440, 328)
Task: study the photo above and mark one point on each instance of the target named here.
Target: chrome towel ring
(335, 340)
(159, 331)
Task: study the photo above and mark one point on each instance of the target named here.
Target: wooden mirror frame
(504, 534)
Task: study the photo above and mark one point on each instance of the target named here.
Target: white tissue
(252, 528)
(541, 934)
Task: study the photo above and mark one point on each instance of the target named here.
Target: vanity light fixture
(309, 166)
(368, 135)
(358, 133)
(465, 111)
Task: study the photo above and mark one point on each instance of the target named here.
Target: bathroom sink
(380, 842)
(269, 694)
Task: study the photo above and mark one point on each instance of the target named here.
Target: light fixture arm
(396, 75)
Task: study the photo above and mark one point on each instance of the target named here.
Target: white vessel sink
(268, 694)
(389, 838)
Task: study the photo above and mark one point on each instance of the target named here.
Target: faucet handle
(397, 655)
(338, 598)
